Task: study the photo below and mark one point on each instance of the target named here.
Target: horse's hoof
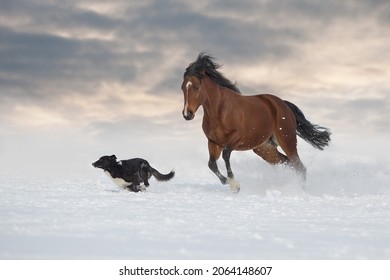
(234, 185)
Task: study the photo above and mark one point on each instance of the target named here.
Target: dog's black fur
(131, 173)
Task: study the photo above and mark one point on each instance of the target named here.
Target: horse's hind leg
(270, 154)
(288, 143)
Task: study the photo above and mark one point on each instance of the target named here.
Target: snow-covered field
(73, 211)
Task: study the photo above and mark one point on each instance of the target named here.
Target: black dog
(131, 173)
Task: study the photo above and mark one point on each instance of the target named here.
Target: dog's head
(105, 162)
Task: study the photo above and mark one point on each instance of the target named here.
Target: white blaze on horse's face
(188, 85)
(188, 115)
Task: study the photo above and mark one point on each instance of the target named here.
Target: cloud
(76, 63)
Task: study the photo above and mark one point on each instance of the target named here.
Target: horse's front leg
(215, 153)
(234, 185)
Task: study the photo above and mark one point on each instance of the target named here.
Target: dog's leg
(136, 188)
(131, 188)
(144, 178)
(142, 188)
(145, 174)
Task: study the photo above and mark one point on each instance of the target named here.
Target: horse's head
(193, 97)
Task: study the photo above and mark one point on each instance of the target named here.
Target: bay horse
(234, 122)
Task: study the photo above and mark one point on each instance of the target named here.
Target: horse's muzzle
(188, 115)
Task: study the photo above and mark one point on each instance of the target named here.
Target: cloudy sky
(83, 69)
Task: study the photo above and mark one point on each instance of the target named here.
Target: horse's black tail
(162, 177)
(316, 135)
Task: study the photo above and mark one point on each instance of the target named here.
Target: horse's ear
(113, 157)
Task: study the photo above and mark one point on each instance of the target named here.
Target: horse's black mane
(206, 63)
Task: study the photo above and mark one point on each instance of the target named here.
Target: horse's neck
(215, 98)
(220, 101)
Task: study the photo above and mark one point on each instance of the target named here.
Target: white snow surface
(76, 212)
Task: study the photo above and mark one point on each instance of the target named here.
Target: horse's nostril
(188, 115)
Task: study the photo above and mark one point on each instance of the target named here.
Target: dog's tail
(162, 177)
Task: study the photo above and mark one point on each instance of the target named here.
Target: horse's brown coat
(232, 121)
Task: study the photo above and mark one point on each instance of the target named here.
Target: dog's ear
(113, 157)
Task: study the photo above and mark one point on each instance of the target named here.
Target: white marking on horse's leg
(188, 85)
(234, 185)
